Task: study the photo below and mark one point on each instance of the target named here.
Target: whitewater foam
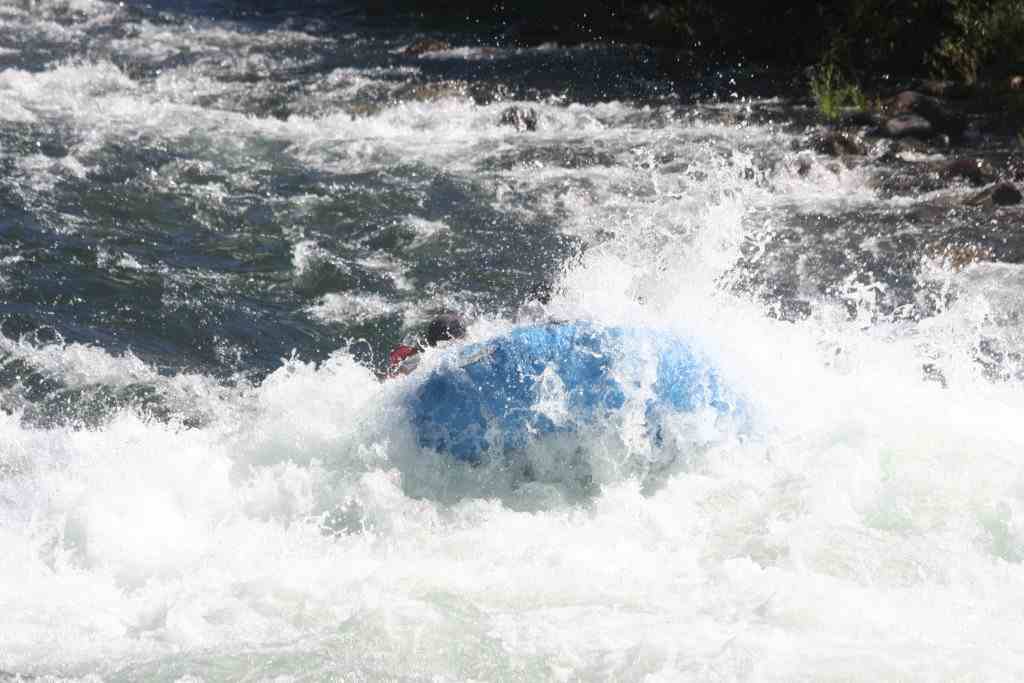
(867, 527)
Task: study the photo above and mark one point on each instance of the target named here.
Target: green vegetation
(957, 39)
(979, 34)
(832, 92)
(954, 39)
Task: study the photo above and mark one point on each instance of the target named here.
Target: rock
(357, 109)
(423, 46)
(520, 118)
(884, 150)
(837, 144)
(959, 255)
(1005, 194)
(907, 125)
(1000, 194)
(975, 171)
(941, 117)
(912, 146)
(913, 102)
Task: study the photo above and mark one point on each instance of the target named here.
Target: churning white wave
(869, 523)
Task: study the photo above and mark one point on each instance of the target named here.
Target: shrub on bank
(944, 38)
(832, 92)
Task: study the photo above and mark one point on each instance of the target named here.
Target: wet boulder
(521, 118)
(835, 143)
(939, 115)
(959, 255)
(1000, 194)
(975, 171)
(908, 146)
(907, 125)
(805, 165)
(423, 46)
(1006, 194)
(884, 150)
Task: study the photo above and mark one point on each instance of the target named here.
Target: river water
(215, 221)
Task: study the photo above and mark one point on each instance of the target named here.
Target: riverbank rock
(975, 171)
(1000, 194)
(939, 115)
(958, 256)
(835, 143)
(907, 125)
(425, 45)
(521, 118)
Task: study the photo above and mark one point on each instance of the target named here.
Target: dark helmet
(540, 292)
(444, 327)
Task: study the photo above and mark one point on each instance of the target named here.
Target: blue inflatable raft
(536, 380)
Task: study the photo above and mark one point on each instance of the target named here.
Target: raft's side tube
(491, 396)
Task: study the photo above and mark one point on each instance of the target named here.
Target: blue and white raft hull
(503, 394)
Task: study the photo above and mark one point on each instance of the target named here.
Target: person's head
(540, 292)
(445, 327)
